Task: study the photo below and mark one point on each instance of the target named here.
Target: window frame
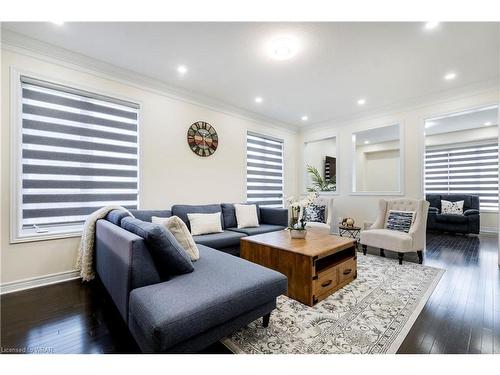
(17, 234)
(276, 139)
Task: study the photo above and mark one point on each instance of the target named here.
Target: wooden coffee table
(315, 266)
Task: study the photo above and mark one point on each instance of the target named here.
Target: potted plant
(297, 226)
(319, 183)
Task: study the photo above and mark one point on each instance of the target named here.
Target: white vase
(294, 233)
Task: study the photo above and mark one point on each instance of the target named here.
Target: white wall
(363, 208)
(170, 171)
(374, 160)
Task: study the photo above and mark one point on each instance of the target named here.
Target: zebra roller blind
(465, 169)
(264, 170)
(79, 153)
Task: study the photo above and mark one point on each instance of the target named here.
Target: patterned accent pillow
(400, 220)
(452, 208)
(315, 214)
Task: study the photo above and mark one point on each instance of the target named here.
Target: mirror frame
(401, 162)
(303, 167)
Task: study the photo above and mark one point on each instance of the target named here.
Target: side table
(352, 232)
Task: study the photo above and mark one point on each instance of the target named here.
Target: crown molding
(441, 97)
(18, 43)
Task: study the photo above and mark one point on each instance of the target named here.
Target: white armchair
(401, 242)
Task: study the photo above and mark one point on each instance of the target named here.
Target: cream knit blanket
(85, 260)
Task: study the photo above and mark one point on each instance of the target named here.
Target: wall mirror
(320, 165)
(377, 162)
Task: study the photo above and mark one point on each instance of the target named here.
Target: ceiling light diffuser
(431, 25)
(258, 99)
(361, 101)
(182, 69)
(367, 142)
(450, 76)
(304, 118)
(283, 47)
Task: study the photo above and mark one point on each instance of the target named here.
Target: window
(79, 152)
(264, 170)
(464, 169)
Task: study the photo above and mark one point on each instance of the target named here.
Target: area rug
(372, 314)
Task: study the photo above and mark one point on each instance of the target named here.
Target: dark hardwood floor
(461, 316)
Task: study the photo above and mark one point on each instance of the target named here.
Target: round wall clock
(202, 138)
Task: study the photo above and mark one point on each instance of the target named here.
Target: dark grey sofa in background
(270, 219)
(468, 223)
(187, 312)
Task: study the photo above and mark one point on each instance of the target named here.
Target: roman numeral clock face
(202, 138)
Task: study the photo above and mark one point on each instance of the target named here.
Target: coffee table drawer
(346, 270)
(326, 281)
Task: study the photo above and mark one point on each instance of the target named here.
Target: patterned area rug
(372, 314)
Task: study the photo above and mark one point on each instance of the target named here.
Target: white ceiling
(337, 64)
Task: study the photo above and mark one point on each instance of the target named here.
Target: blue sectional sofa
(188, 312)
(270, 220)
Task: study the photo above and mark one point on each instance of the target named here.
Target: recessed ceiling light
(58, 23)
(182, 69)
(367, 142)
(361, 101)
(428, 124)
(431, 25)
(304, 118)
(258, 99)
(450, 76)
(283, 47)
(488, 123)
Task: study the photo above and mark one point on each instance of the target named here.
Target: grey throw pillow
(315, 214)
(169, 256)
(400, 220)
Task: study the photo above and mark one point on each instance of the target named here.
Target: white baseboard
(488, 230)
(35, 282)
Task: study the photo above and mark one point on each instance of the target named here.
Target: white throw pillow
(452, 208)
(181, 233)
(246, 215)
(205, 223)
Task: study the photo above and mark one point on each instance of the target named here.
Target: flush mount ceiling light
(431, 25)
(361, 101)
(258, 99)
(450, 76)
(182, 69)
(304, 118)
(282, 47)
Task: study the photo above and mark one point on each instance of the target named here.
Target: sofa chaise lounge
(184, 313)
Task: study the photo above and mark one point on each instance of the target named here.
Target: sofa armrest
(274, 216)
(471, 212)
(123, 263)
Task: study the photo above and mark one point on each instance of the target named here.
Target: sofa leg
(400, 258)
(364, 247)
(420, 254)
(265, 320)
(382, 253)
